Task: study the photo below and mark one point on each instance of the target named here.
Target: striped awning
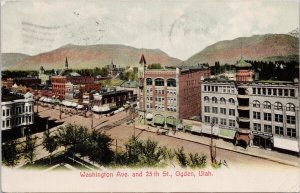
(227, 133)
(171, 121)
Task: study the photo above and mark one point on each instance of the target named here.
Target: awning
(187, 128)
(171, 121)
(126, 106)
(149, 116)
(244, 138)
(196, 129)
(207, 129)
(73, 104)
(159, 119)
(287, 144)
(41, 99)
(227, 133)
(79, 106)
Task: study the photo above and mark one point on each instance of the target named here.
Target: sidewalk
(221, 144)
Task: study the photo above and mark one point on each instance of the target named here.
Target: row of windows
(221, 89)
(278, 130)
(16, 121)
(161, 91)
(223, 122)
(277, 105)
(222, 110)
(278, 117)
(274, 91)
(222, 100)
(161, 82)
(16, 110)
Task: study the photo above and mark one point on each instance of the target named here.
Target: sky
(180, 28)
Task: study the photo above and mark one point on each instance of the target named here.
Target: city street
(123, 132)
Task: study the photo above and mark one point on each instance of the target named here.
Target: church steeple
(66, 63)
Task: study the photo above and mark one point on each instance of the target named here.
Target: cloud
(180, 28)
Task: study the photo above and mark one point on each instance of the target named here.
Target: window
(278, 118)
(275, 91)
(207, 119)
(290, 107)
(268, 128)
(206, 98)
(259, 90)
(286, 92)
(223, 121)
(264, 91)
(232, 112)
(159, 82)
(148, 81)
(278, 106)
(214, 100)
(215, 120)
(280, 92)
(3, 114)
(291, 119)
(223, 111)
(171, 82)
(231, 123)
(205, 88)
(267, 117)
(267, 105)
(256, 115)
(222, 101)
(215, 110)
(269, 91)
(206, 109)
(291, 132)
(278, 130)
(231, 101)
(292, 92)
(256, 104)
(3, 124)
(256, 127)
(7, 112)
(254, 90)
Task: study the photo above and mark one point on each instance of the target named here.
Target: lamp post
(212, 152)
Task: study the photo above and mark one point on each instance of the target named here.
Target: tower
(141, 92)
(66, 63)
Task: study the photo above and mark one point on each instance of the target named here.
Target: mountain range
(268, 47)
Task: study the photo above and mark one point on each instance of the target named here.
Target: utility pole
(116, 145)
(60, 111)
(212, 152)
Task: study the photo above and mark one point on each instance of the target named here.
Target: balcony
(244, 108)
(243, 96)
(244, 130)
(244, 119)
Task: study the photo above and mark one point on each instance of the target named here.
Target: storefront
(263, 140)
(286, 144)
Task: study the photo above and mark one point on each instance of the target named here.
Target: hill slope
(94, 56)
(9, 59)
(267, 47)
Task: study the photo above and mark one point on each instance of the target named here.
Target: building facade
(269, 110)
(17, 112)
(165, 95)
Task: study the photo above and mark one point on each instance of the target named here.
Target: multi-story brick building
(59, 83)
(165, 95)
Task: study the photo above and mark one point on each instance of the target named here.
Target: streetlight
(212, 152)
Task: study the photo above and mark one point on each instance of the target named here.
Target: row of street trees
(97, 146)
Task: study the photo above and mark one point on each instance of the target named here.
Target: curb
(228, 149)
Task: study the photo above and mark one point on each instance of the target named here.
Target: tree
(11, 153)
(181, 157)
(197, 161)
(50, 143)
(29, 149)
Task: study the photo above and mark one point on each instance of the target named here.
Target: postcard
(150, 96)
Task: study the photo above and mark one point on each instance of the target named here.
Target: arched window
(222, 100)
(267, 105)
(206, 98)
(171, 82)
(256, 104)
(290, 107)
(214, 100)
(231, 101)
(159, 82)
(149, 81)
(278, 106)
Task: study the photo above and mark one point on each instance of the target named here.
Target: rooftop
(243, 64)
